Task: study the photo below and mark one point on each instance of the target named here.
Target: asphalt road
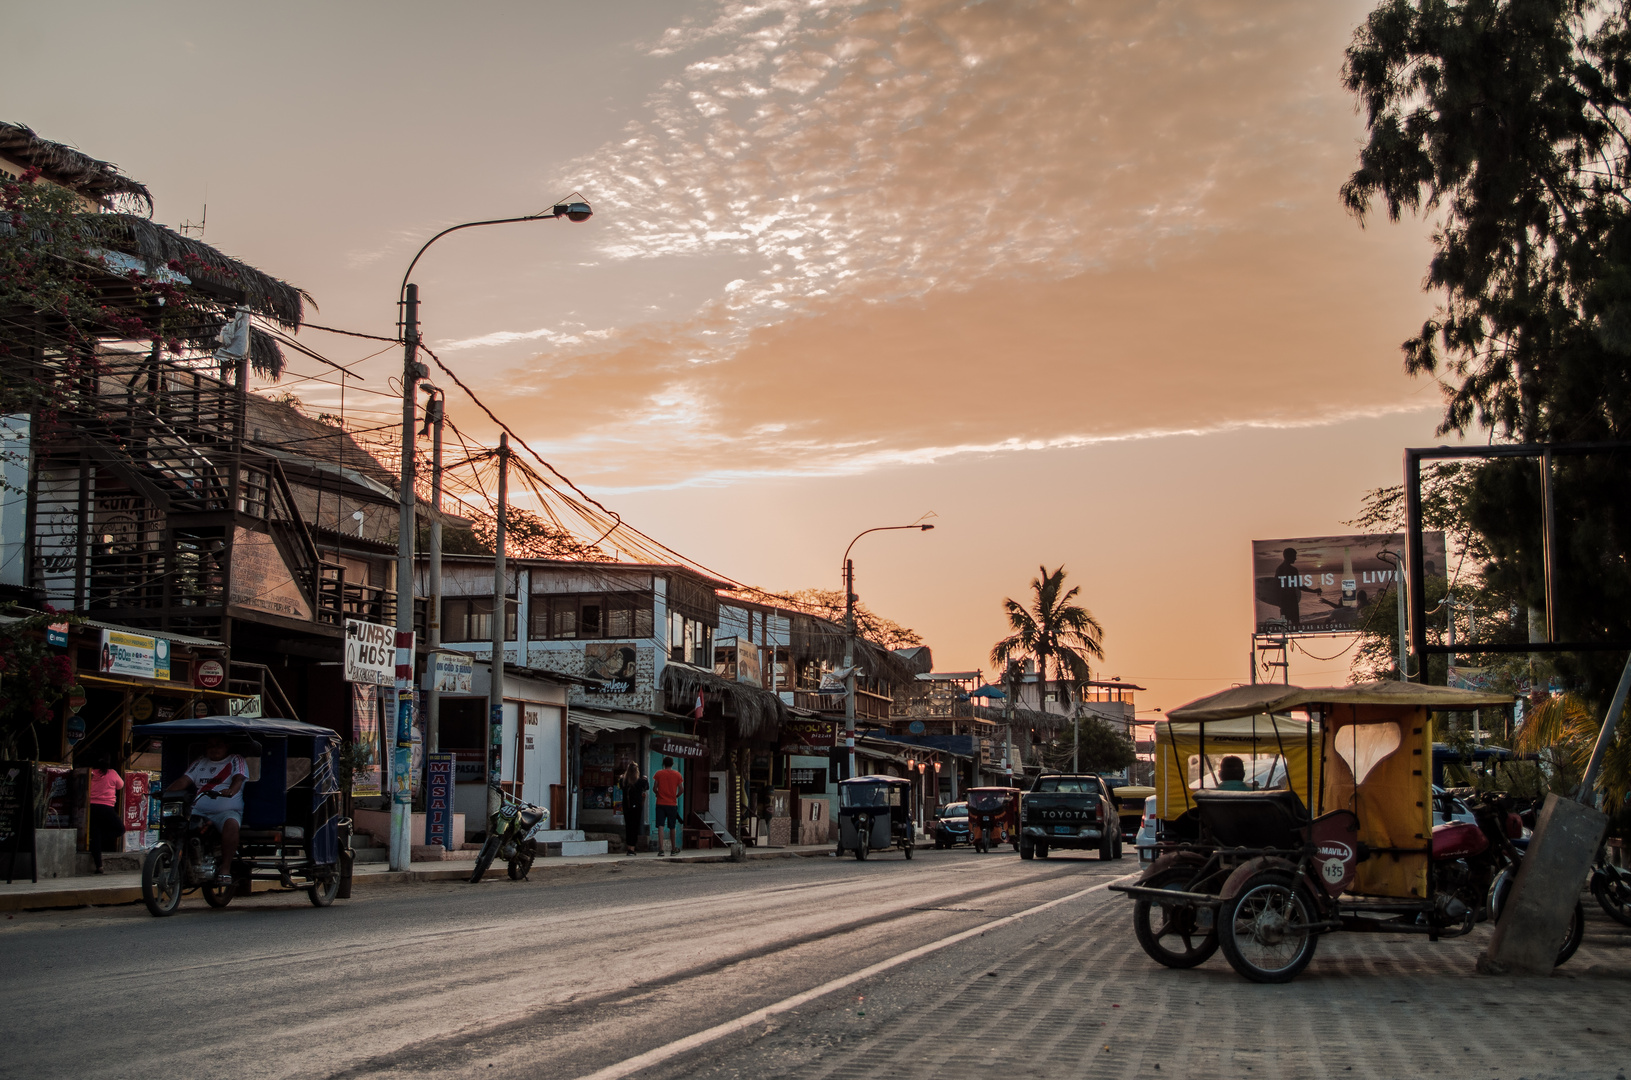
(606, 971)
(576, 970)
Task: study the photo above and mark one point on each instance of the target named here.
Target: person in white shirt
(218, 777)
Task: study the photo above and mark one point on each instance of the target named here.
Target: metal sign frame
(1417, 600)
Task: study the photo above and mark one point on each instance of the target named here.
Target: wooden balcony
(868, 706)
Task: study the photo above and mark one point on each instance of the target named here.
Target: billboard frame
(1416, 601)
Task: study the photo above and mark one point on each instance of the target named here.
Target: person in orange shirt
(667, 785)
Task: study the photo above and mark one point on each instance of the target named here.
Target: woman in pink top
(105, 826)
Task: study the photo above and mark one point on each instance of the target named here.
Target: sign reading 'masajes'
(1332, 584)
(370, 653)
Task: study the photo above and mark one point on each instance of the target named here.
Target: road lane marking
(730, 1027)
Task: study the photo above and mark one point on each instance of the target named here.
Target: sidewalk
(126, 887)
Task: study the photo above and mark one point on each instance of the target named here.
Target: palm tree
(1052, 628)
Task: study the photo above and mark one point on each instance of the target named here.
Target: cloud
(980, 228)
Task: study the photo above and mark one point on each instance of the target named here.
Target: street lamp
(849, 633)
(573, 208)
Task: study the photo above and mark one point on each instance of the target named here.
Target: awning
(1270, 698)
(591, 721)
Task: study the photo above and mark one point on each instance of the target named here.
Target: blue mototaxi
(292, 832)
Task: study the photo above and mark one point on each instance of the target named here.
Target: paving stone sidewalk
(1078, 998)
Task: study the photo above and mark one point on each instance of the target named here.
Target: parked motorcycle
(1611, 885)
(510, 836)
(1474, 866)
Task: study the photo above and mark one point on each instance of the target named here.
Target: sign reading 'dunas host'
(370, 653)
(134, 654)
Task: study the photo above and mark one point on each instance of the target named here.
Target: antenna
(188, 228)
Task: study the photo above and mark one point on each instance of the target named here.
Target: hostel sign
(370, 653)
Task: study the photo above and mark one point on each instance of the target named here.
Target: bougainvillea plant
(33, 678)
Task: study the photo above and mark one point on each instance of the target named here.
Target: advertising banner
(749, 669)
(610, 666)
(439, 801)
(370, 653)
(365, 734)
(134, 654)
(1331, 584)
(452, 673)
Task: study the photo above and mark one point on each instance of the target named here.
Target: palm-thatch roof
(758, 711)
(206, 266)
(69, 168)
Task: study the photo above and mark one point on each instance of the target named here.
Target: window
(689, 641)
(612, 615)
(470, 618)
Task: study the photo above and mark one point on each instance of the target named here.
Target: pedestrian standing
(634, 806)
(105, 787)
(667, 783)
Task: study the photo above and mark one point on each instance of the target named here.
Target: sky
(1074, 277)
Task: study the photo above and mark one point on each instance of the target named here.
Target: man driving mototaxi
(219, 777)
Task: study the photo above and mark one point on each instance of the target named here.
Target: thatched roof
(208, 268)
(758, 711)
(69, 168)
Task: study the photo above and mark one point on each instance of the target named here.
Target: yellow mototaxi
(1331, 827)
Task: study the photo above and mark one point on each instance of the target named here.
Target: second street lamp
(573, 208)
(849, 633)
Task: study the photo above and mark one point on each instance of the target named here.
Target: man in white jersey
(218, 777)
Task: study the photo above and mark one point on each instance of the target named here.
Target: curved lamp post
(849, 634)
(573, 209)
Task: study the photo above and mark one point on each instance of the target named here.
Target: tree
(1511, 120)
(528, 536)
(33, 678)
(1053, 628)
(1094, 746)
(829, 605)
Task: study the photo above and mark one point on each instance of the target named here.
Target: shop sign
(56, 634)
(134, 654)
(76, 697)
(610, 668)
(669, 746)
(141, 709)
(75, 730)
(249, 706)
(210, 674)
(439, 801)
(748, 667)
(370, 653)
(365, 734)
(817, 733)
(831, 683)
(452, 673)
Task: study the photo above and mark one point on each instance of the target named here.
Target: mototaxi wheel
(1186, 935)
(1263, 928)
(219, 896)
(322, 892)
(1027, 849)
(908, 851)
(489, 852)
(161, 881)
(861, 846)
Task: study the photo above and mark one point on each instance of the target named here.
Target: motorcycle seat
(1261, 819)
(530, 817)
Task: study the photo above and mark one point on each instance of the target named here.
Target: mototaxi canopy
(1187, 755)
(1375, 760)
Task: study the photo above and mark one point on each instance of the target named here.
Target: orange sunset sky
(1073, 276)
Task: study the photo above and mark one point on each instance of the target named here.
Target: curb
(109, 895)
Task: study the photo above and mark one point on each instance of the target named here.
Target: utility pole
(433, 614)
(849, 660)
(402, 698)
(495, 693)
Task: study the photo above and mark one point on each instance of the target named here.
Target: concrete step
(370, 855)
(583, 847)
(559, 836)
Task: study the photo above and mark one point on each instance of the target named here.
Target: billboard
(1330, 584)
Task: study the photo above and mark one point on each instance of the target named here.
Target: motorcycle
(187, 857)
(1611, 885)
(511, 835)
(1474, 866)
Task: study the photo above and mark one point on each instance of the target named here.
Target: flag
(697, 712)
